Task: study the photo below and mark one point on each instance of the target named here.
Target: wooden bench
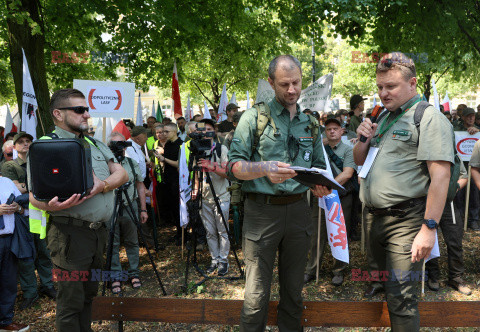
(328, 314)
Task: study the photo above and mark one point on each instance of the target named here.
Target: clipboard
(313, 176)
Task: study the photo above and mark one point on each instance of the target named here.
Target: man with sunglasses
(277, 214)
(7, 151)
(76, 232)
(405, 188)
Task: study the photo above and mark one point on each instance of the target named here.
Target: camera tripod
(196, 206)
(122, 191)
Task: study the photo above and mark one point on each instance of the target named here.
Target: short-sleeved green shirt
(100, 206)
(14, 171)
(134, 176)
(344, 152)
(273, 146)
(399, 171)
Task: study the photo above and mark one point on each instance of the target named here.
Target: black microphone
(377, 110)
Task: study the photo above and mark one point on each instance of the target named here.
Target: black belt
(77, 222)
(5, 235)
(398, 209)
(275, 200)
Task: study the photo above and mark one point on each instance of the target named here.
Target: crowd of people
(393, 204)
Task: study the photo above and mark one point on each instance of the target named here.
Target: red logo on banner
(55, 171)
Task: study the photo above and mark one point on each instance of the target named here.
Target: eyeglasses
(293, 147)
(76, 109)
(9, 154)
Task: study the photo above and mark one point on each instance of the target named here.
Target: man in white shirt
(138, 139)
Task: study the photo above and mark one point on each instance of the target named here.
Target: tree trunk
(427, 86)
(20, 36)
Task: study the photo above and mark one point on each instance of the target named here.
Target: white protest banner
(464, 143)
(317, 95)
(108, 99)
(265, 92)
(29, 102)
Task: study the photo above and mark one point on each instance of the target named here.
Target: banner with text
(108, 99)
(464, 143)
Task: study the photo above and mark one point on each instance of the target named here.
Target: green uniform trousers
(126, 228)
(43, 265)
(390, 241)
(339, 266)
(267, 228)
(372, 263)
(76, 248)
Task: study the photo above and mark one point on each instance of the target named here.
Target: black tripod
(196, 206)
(122, 190)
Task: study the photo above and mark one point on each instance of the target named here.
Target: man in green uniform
(76, 234)
(405, 188)
(357, 105)
(468, 122)
(16, 171)
(343, 169)
(277, 215)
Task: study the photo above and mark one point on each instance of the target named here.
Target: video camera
(118, 147)
(201, 142)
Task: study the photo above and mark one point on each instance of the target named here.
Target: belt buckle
(95, 225)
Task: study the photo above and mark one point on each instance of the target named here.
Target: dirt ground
(41, 316)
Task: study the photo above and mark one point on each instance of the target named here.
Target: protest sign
(464, 143)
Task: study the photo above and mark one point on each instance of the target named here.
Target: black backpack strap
(52, 135)
(134, 184)
(334, 158)
(419, 111)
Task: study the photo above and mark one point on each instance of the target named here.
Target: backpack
(263, 118)
(455, 168)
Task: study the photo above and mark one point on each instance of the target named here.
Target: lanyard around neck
(383, 130)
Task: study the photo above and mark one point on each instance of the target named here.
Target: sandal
(135, 282)
(116, 287)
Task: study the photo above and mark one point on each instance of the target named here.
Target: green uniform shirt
(399, 172)
(134, 176)
(273, 147)
(460, 126)
(100, 206)
(344, 152)
(14, 171)
(354, 123)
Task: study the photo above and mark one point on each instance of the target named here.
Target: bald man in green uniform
(277, 215)
(76, 233)
(405, 189)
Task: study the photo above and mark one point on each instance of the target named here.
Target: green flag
(159, 113)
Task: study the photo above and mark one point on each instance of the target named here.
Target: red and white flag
(9, 125)
(177, 105)
(446, 103)
(29, 102)
(122, 129)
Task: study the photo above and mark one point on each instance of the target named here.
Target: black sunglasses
(76, 109)
(10, 154)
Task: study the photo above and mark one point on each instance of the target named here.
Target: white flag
(206, 112)
(248, 101)
(99, 130)
(233, 100)
(139, 119)
(335, 221)
(188, 111)
(435, 250)
(110, 124)
(29, 102)
(185, 188)
(436, 100)
(265, 92)
(222, 106)
(154, 114)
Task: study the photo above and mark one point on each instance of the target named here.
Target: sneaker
(460, 286)
(473, 225)
(337, 280)
(433, 284)
(15, 327)
(223, 269)
(28, 302)
(49, 292)
(212, 268)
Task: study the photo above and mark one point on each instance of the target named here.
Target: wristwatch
(107, 187)
(431, 223)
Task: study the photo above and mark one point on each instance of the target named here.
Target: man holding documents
(405, 188)
(343, 168)
(277, 215)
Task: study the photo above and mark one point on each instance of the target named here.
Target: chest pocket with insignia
(403, 143)
(305, 153)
